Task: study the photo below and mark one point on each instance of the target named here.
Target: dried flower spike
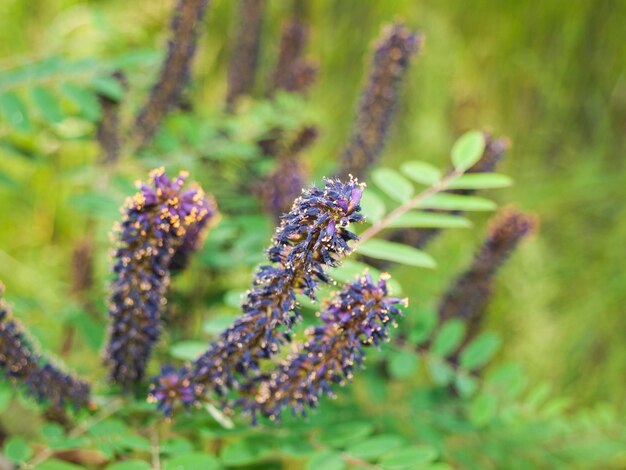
(166, 94)
(313, 236)
(378, 99)
(109, 132)
(359, 316)
(284, 185)
(470, 293)
(159, 222)
(42, 380)
(244, 59)
(293, 72)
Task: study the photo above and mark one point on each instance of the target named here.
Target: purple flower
(302, 249)
(160, 221)
(44, 381)
(172, 386)
(358, 317)
(378, 99)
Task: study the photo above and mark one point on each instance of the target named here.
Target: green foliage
(467, 150)
(421, 402)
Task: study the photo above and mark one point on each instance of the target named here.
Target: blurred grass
(551, 76)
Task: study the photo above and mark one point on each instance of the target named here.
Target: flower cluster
(160, 222)
(378, 99)
(166, 93)
(470, 293)
(42, 380)
(359, 316)
(313, 236)
(244, 58)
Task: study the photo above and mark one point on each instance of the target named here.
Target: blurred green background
(550, 76)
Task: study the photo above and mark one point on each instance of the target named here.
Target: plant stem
(382, 224)
(155, 449)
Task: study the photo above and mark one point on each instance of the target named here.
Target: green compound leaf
(403, 364)
(449, 337)
(47, 105)
(465, 384)
(467, 150)
(481, 181)
(245, 452)
(84, 99)
(417, 219)
(397, 252)
(176, 445)
(376, 446)
(217, 324)
(13, 110)
(440, 371)
(482, 409)
(109, 87)
(17, 450)
(187, 350)
(425, 323)
(409, 457)
(421, 172)
(457, 202)
(393, 184)
(480, 351)
(372, 207)
(57, 465)
(327, 460)
(130, 465)
(192, 461)
(344, 434)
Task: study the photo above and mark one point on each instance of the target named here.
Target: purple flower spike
(390, 62)
(44, 381)
(162, 225)
(302, 249)
(359, 316)
(172, 386)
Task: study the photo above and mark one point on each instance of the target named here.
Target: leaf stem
(441, 185)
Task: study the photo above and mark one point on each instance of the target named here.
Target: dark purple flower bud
(172, 386)
(389, 65)
(358, 317)
(302, 250)
(470, 293)
(244, 56)
(159, 222)
(44, 381)
(166, 94)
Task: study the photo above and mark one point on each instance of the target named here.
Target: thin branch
(186, 25)
(155, 449)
